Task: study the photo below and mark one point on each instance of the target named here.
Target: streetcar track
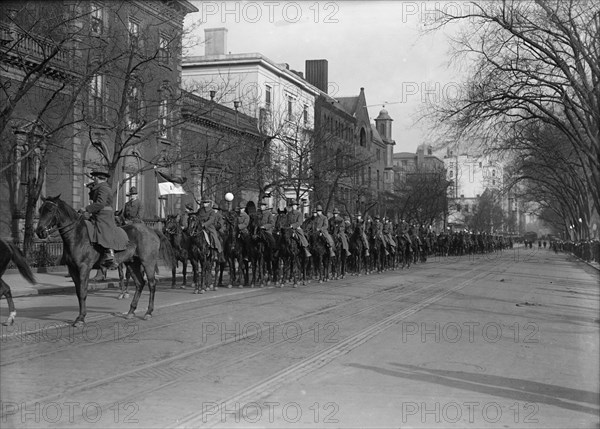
(146, 328)
(183, 355)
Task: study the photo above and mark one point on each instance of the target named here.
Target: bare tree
(530, 62)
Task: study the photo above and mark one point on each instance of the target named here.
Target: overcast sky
(380, 46)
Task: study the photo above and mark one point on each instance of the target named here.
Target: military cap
(100, 173)
(132, 191)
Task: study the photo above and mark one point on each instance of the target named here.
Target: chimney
(317, 73)
(216, 41)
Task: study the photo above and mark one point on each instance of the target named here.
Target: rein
(61, 229)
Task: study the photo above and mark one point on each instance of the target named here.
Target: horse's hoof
(121, 296)
(129, 315)
(295, 285)
(78, 324)
(201, 291)
(126, 295)
(241, 287)
(195, 291)
(229, 286)
(182, 287)
(147, 316)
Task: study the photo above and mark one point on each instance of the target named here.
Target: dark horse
(200, 253)
(358, 250)
(180, 241)
(233, 250)
(292, 256)
(10, 252)
(145, 247)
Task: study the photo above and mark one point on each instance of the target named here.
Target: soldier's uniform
(208, 220)
(295, 220)
(266, 223)
(361, 224)
(133, 210)
(107, 234)
(243, 220)
(321, 224)
(387, 233)
(218, 217)
(337, 225)
(379, 233)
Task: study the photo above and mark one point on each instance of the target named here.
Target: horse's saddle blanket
(93, 233)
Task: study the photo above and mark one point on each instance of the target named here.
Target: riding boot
(366, 252)
(109, 259)
(307, 253)
(331, 252)
(348, 254)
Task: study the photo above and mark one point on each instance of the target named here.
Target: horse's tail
(166, 252)
(21, 263)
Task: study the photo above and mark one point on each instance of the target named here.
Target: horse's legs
(135, 269)
(5, 291)
(184, 263)
(80, 276)
(150, 275)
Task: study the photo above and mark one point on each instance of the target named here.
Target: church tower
(383, 124)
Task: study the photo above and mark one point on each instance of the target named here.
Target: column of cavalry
(256, 246)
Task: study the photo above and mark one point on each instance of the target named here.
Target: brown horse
(10, 252)
(145, 247)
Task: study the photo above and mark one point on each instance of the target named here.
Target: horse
(378, 249)
(358, 250)
(200, 253)
(10, 252)
(338, 266)
(233, 250)
(292, 255)
(262, 254)
(320, 254)
(180, 242)
(145, 248)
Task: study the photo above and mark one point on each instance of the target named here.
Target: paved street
(499, 340)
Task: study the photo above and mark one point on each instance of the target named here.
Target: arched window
(363, 137)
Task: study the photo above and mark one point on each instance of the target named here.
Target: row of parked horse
(283, 262)
(251, 259)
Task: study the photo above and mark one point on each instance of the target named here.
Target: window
(369, 176)
(268, 97)
(164, 56)
(134, 106)
(134, 33)
(363, 137)
(97, 19)
(404, 163)
(305, 114)
(378, 154)
(96, 106)
(378, 179)
(467, 208)
(290, 107)
(163, 113)
(493, 173)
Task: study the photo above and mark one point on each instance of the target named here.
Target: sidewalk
(59, 281)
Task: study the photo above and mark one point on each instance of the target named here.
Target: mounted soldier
(266, 223)
(133, 210)
(208, 220)
(107, 234)
(378, 230)
(337, 226)
(388, 229)
(189, 210)
(218, 217)
(321, 224)
(295, 220)
(243, 220)
(361, 225)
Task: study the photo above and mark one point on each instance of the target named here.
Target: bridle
(54, 213)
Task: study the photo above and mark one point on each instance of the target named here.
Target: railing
(49, 253)
(21, 44)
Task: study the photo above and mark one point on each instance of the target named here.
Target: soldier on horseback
(387, 234)
(266, 223)
(378, 229)
(337, 226)
(101, 213)
(321, 224)
(243, 220)
(208, 220)
(361, 225)
(133, 210)
(295, 219)
(218, 217)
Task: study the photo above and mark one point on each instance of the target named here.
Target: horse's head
(194, 224)
(53, 213)
(172, 224)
